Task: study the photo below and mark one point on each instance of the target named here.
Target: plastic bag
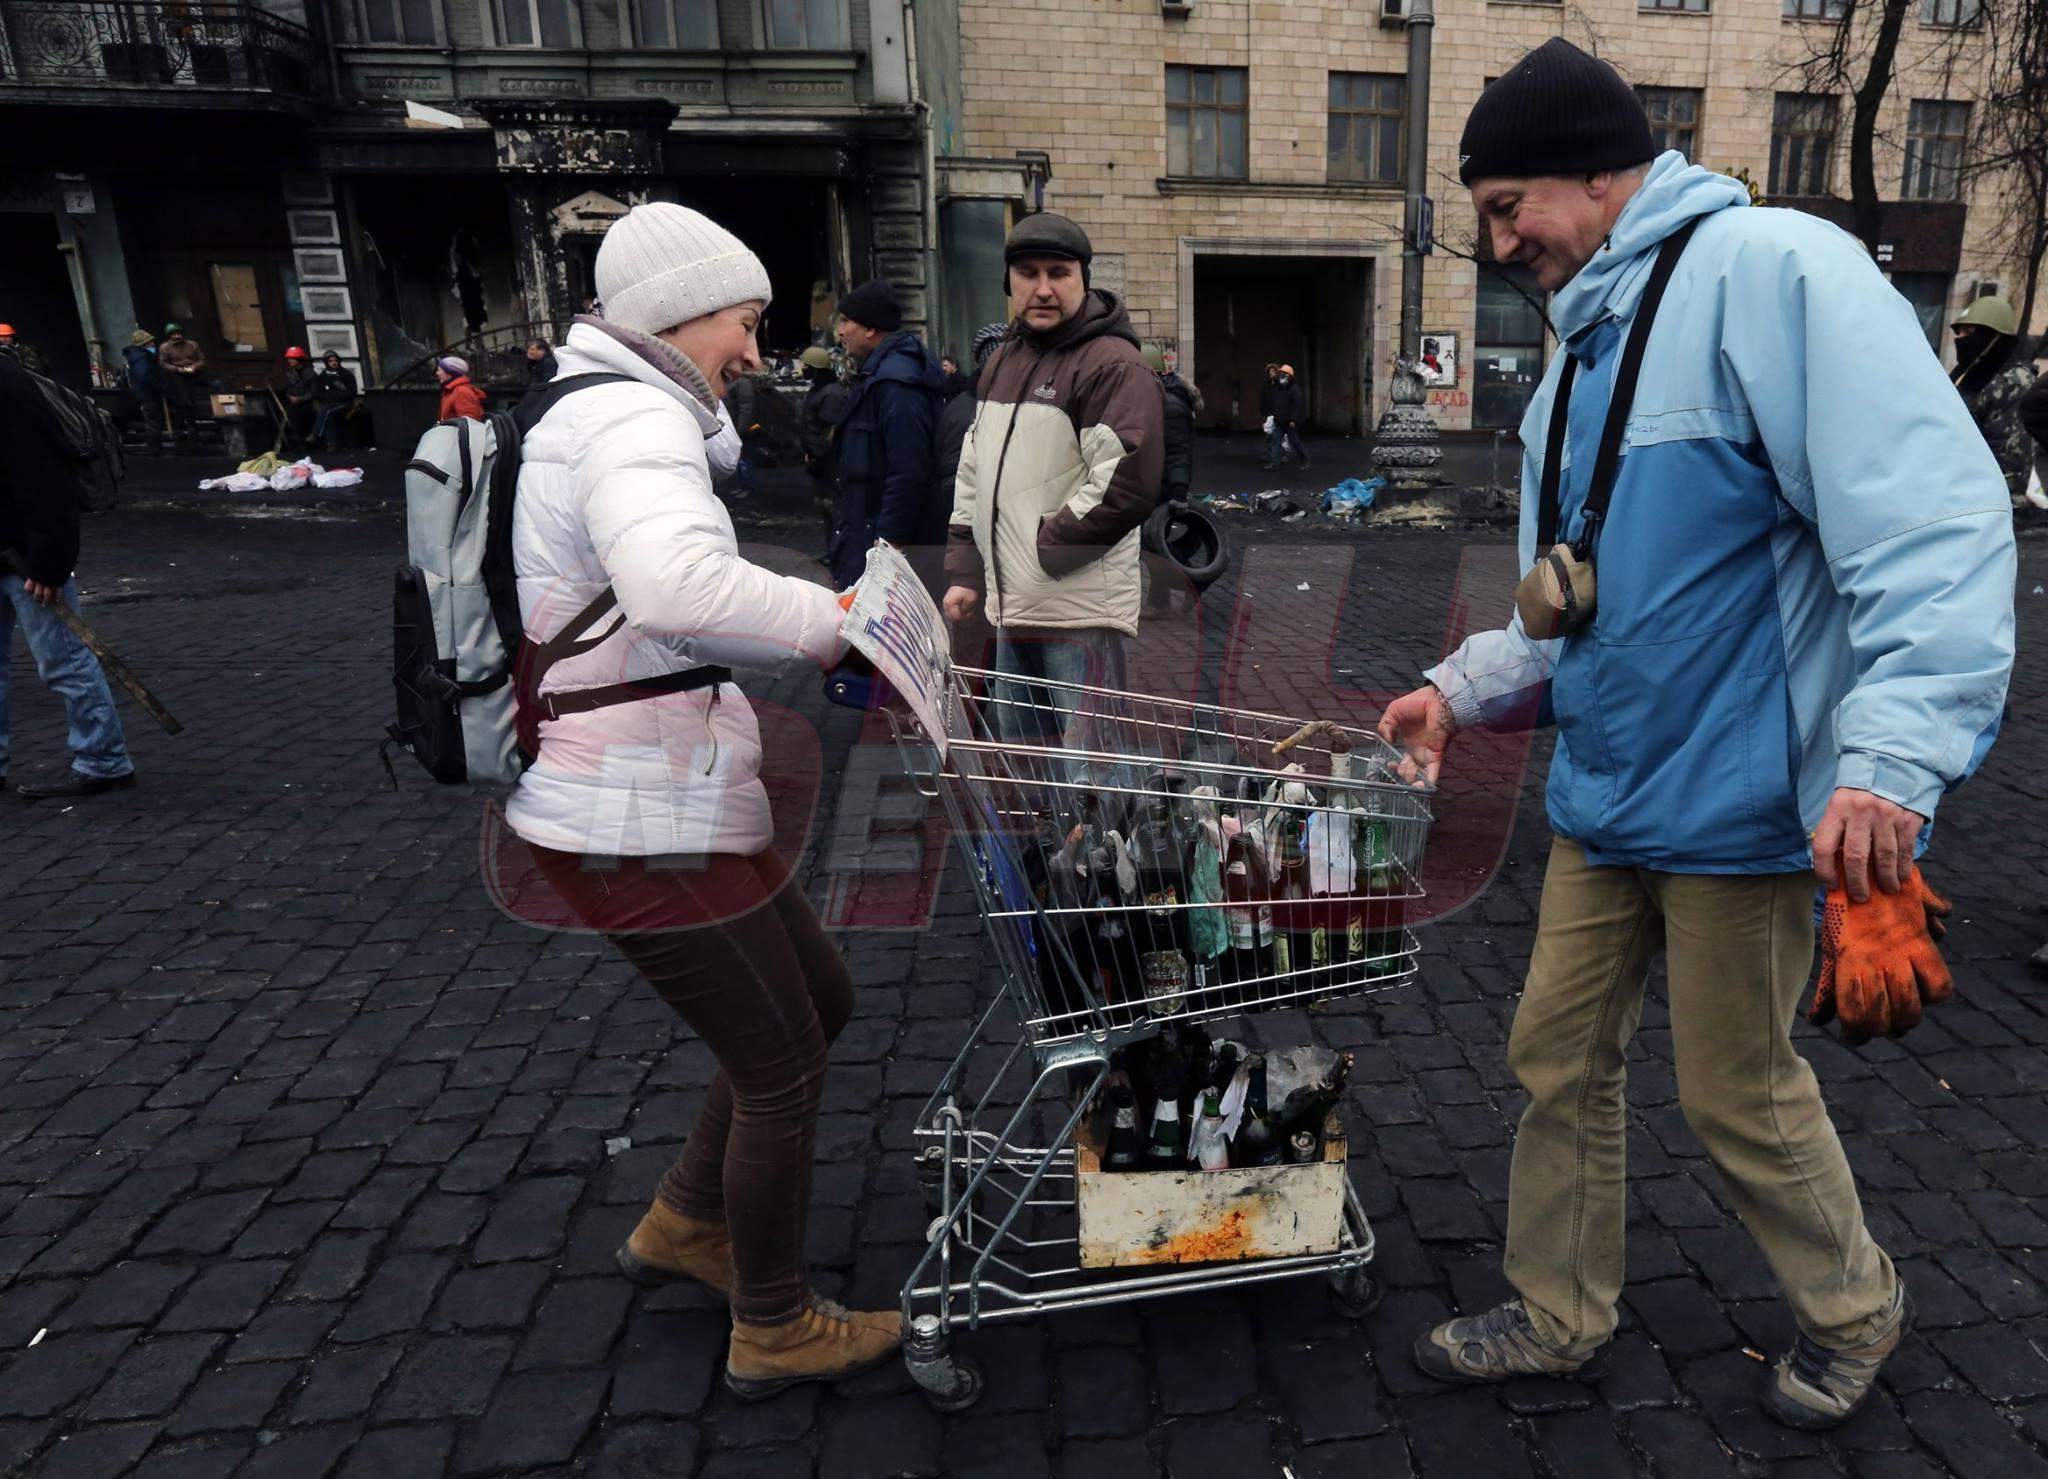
(338, 477)
(1268, 426)
(297, 475)
(1351, 496)
(236, 482)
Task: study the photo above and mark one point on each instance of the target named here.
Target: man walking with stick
(39, 538)
(1799, 638)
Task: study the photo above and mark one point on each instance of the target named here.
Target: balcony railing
(153, 45)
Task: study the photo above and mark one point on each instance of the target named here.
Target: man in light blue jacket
(1802, 634)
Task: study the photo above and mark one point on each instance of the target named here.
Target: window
(1814, 10)
(1205, 122)
(806, 25)
(675, 25)
(535, 23)
(1802, 143)
(1956, 13)
(1674, 117)
(1365, 126)
(1934, 149)
(1507, 358)
(1698, 7)
(1928, 293)
(238, 307)
(400, 22)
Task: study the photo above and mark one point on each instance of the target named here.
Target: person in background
(298, 394)
(24, 353)
(742, 406)
(1060, 468)
(540, 363)
(649, 817)
(1995, 379)
(817, 424)
(40, 526)
(885, 439)
(1269, 419)
(334, 399)
(1290, 410)
(956, 383)
(184, 366)
(460, 396)
(146, 384)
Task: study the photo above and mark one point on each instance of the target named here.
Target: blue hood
(1674, 193)
(905, 358)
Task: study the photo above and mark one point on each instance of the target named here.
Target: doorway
(1313, 313)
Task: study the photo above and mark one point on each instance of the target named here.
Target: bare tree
(2009, 146)
(1846, 60)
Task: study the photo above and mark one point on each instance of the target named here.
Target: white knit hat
(661, 265)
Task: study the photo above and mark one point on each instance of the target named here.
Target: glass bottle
(1125, 1148)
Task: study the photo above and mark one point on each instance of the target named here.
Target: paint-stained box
(1134, 1218)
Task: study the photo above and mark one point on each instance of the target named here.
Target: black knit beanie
(1048, 234)
(874, 304)
(1555, 112)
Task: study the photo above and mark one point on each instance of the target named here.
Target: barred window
(1205, 122)
(1674, 117)
(1366, 133)
(1802, 143)
(1935, 131)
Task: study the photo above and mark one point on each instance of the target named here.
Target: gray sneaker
(1813, 1387)
(1498, 1346)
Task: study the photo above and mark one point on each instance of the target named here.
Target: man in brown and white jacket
(1059, 470)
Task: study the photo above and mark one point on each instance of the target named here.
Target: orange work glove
(1879, 965)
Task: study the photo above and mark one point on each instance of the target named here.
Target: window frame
(501, 35)
(1647, 93)
(631, 10)
(1829, 109)
(1351, 112)
(764, 28)
(1675, 7)
(1933, 20)
(1915, 151)
(1829, 11)
(1220, 108)
(396, 8)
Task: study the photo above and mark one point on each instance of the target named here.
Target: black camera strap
(1606, 466)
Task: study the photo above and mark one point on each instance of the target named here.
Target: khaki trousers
(1738, 949)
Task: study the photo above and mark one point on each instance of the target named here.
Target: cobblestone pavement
(303, 1142)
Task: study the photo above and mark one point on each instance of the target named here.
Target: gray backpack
(467, 676)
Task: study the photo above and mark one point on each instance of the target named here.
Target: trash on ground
(259, 473)
(618, 1143)
(1303, 586)
(1352, 497)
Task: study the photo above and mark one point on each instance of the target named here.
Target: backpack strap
(1606, 466)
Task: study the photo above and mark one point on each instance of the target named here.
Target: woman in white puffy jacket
(649, 815)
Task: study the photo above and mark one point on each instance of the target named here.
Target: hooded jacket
(884, 447)
(1060, 468)
(615, 489)
(1806, 572)
(462, 397)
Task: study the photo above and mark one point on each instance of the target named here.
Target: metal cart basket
(1032, 771)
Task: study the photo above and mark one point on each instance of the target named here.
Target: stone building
(1238, 164)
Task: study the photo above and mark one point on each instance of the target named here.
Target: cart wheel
(948, 1385)
(1356, 1293)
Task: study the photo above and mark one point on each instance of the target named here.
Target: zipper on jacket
(995, 564)
(711, 728)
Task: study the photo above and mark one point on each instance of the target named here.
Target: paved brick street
(304, 1161)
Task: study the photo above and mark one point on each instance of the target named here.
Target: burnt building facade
(391, 178)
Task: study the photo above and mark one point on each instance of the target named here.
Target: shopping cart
(1032, 777)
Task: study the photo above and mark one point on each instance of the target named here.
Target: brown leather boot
(824, 1343)
(667, 1246)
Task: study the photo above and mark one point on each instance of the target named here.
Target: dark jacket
(39, 508)
(954, 420)
(1290, 403)
(335, 387)
(1269, 400)
(885, 456)
(298, 383)
(145, 377)
(540, 371)
(742, 401)
(817, 421)
(1180, 437)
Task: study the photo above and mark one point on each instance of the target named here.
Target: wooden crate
(1133, 1218)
